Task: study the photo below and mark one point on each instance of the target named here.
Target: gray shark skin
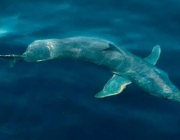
(127, 68)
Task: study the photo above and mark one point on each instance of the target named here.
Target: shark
(126, 67)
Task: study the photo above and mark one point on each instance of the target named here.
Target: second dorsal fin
(154, 56)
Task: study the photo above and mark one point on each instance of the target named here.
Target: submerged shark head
(37, 51)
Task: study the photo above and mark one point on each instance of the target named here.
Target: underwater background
(54, 100)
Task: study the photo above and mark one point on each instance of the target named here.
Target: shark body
(126, 67)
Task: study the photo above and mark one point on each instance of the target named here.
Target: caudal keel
(156, 82)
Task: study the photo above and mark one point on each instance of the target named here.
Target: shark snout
(26, 56)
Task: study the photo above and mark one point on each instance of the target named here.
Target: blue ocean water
(54, 100)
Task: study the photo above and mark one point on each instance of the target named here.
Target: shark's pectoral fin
(154, 56)
(114, 86)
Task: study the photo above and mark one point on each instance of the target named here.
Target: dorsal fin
(154, 56)
(113, 48)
